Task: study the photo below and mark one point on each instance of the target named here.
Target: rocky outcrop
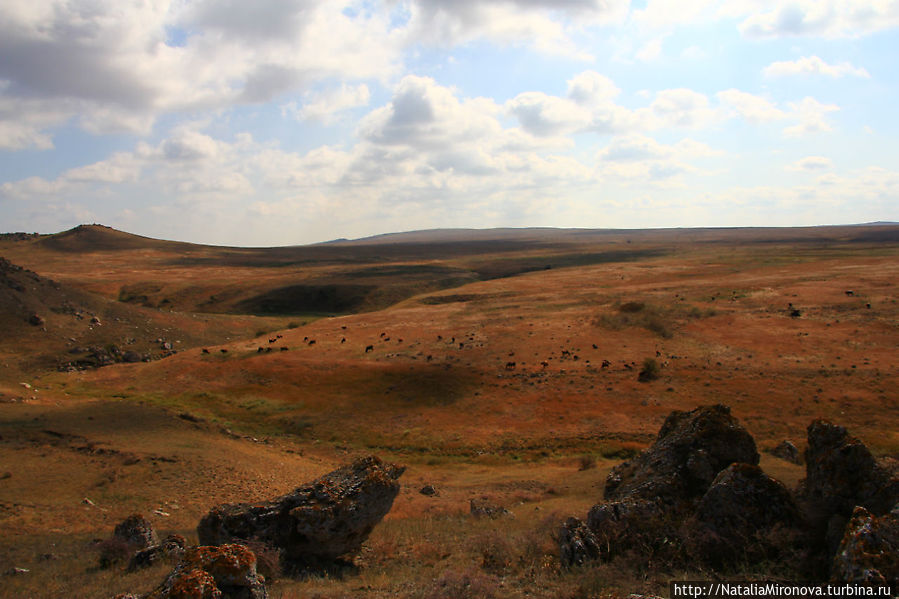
(577, 543)
(225, 572)
(841, 473)
(739, 510)
(484, 508)
(869, 550)
(690, 450)
(319, 522)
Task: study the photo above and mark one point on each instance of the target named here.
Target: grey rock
(690, 450)
(319, 522)
(869, 550)
(577, 543)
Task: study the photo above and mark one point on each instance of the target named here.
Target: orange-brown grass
(512, 414)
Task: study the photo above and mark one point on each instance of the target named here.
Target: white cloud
(18, 136)
(754, 109)
(665, 14)
(325, 106)
(682, 108)
(811, 164)
(109, 62)
(822, 18)
(811, 115)
(812, 65)
(542, 24)
(650, 51)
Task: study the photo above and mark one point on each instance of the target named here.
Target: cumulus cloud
(824, 18)
(812, 117)
(811, 164)
(115, 65)
(542, 24)
(812, 65)
(754, 109)
(326, 106)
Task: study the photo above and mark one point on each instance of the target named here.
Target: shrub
(115, 550)
(650, 371)
(586, 462)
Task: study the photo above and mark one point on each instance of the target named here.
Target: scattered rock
(16, 571)
(132, 356)
(577, 543)
(869, 551)
(429, 491)
(95, 321)
(225, 572)
(741, 507)
(36, 320)
(841, 473)
(171, 548)
(691, 449)
(785, 450)
(314, 524)
(483, 508)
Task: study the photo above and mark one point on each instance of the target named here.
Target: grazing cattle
(369, 348)
(268, 350)
(606, 364)
(510, 365)
(343, 327)
(343, 340)
(868, 306)
(461, 345)
(439, 337)
(595, 346)
(224, 351)
(205, 351)
(544, 364)
(305, 339)
(283, 348)
(511, 353)
(312, 342)
(658, 354)
(399, 340)
(850, 292)
(382, 334)
(272, 340)
(386, 338)
(628, 366)
(259, 350)
(429, 358)
(279, 336)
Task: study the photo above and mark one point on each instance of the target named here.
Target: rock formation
(690, 450)
(317, 523)
(869, 551)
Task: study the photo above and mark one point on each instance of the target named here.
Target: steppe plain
(500, 364)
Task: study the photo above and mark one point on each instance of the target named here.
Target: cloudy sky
(278, 122)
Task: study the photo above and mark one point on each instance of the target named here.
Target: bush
(650, 371)
(115, 550)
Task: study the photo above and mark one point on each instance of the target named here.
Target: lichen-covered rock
(740, 508)
(136, 530)
(785, 450)
(869, 551)
(321, 521)
(690, 450)
(841, 473)
(225, 572)
(171, 548)
(577, 543)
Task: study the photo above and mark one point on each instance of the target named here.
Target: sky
(283, 122)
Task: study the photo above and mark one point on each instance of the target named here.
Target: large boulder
(171, 548)
(869, 551)
(225, 572)
(739, 512)
(317, 523)
(690, 450)
(841, 473)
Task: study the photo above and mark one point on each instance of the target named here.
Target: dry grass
(523, 413)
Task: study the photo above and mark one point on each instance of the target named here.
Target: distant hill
(100, 238)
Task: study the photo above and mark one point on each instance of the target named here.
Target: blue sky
(280, 122)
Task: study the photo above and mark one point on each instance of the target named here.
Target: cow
(283, 348)
(224, 351)
(205, 351)
(510, 365)
(369, 348)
